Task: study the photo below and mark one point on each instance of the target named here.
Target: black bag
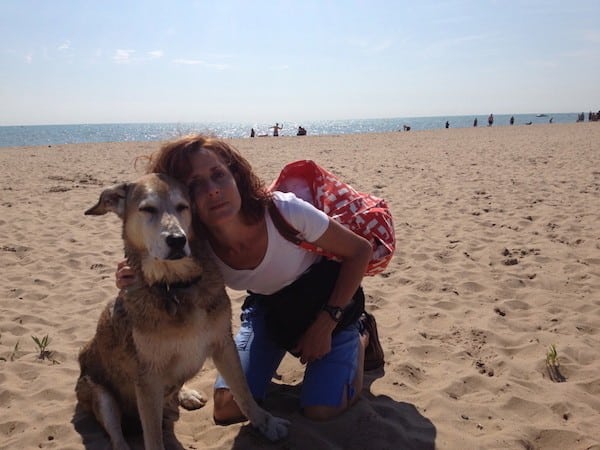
(291, 310)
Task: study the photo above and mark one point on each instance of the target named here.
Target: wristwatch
(335, 312)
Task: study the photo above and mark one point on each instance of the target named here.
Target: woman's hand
(316, 340)
(125, 276)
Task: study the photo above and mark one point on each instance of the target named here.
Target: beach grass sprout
(552, 356)
(42, 345)
(13, 354)
(553, 365)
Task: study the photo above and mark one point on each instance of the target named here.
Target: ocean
(37, 135)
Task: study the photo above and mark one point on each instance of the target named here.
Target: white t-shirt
(284, 261)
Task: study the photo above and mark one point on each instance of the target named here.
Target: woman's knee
(322, 412)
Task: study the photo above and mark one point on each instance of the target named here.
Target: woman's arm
(354, 252)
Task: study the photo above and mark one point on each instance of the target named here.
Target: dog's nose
(176, 241)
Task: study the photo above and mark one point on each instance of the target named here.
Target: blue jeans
(325, 380)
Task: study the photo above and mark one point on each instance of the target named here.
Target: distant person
(490, 120)
(406, 127)
(252, 133)
(447, 124)
(551, 119)
(276, 129)
(512, 120)
(475, 122)
(301, 131)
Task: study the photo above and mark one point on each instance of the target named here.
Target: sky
(87, 61)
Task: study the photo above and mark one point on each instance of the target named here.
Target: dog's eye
(148, 209)
(182, 207)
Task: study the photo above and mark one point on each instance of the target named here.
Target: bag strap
(283, 226)
(289, 233)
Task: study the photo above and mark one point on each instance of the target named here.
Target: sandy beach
(498, 258)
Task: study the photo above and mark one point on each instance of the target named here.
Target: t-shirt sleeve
(310, 221)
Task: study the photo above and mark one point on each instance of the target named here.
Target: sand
(498, 258)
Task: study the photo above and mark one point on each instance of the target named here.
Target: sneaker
(373, 353)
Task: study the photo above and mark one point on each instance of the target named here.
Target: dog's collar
(169, 291)
(179, 285)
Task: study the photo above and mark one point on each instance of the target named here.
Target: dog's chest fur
(173, 336)
(176, 358)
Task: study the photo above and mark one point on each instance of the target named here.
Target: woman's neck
(240, 245)
(230, 235)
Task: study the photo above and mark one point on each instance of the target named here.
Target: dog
(158, 332)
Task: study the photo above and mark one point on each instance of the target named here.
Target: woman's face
(213, 189)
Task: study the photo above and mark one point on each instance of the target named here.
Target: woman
(230, 205)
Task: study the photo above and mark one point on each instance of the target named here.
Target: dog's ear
(111, 200)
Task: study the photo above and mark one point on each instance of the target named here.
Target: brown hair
(174, 159)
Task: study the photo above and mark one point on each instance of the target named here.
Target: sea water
(35, 135)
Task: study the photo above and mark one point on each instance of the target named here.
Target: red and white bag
(364, 214)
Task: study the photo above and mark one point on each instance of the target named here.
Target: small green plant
(552, 356)
(43, 347)
(13, 355)
(553, 365)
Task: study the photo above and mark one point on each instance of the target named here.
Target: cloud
(64, 46)
(199, 62)
(155, 54)
(381, 46)
(123, 56)
(453, 45)
(592, 36)
(585, 54)
(29, 58)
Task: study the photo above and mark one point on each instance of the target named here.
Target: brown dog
(158, 332)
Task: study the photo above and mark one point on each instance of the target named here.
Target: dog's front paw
(273, 428)
(191, 399)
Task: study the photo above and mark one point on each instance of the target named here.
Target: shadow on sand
(375, 422)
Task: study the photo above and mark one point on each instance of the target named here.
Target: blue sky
(108, 61)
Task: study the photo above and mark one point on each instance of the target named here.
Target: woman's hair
(174, 159)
